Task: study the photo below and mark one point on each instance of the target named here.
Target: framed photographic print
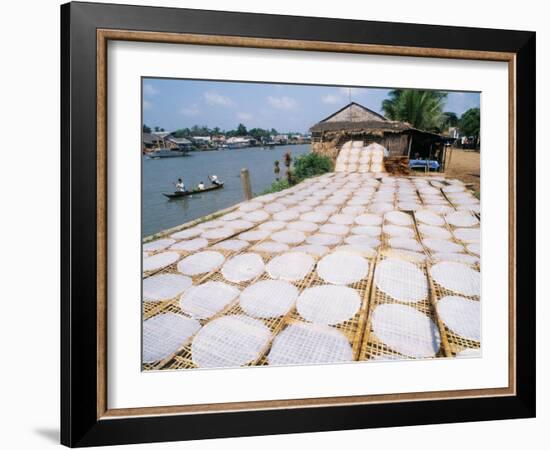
(277, 224)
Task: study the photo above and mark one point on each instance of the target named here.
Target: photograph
(299, 224)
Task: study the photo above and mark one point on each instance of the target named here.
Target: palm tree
(422, 109)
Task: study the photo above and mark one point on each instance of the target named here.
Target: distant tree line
(203, 130)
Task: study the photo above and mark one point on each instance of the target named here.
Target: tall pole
(245, 180)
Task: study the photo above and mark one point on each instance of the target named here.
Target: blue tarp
(421, 164)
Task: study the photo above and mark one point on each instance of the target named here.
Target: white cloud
(282, 102)
(213, 98)
(147, 104)
(149, 89)
(244, 116)
(190, 111)
(331, 99)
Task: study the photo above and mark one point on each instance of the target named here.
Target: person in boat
(214, 179)
(180, 187)
(200, 186)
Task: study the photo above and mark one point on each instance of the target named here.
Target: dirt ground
(463, 165)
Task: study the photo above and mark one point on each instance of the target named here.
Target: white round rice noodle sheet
(434, 232)
(443, 246)
(380, 207)
(470, 200)
(306, 227)
(454, 188)
(272, 225)
(408, 206)
(315, 217)
(285, 216)
(287, 200)
(473, 208)
(231, 245)
(407, 255)
(271, 247)
(239, 224)
(218, 233)
(368, 230)
(254, 236)
(342, 268)
(244, 267)
(164, 334)
(206, 300)
(401, 280)
(361, 239)
(429, 218)
(250, 206)
(332, 228)
(429, 190)
(405, 244)
(474, 248)
(406, 330)
(335, 201)
(353, 210)
(191, 245)
(467, 234)
(398, 231)
(159, 261)
(301, 208)
(324, 239)
(369, 219)
(187, 233)
(439, 209)
(164, 286)
(157, 245)
(229, 341)
(202, 262)
(307, 343)
(312, 249)
(328, 304)
(231, 216)
(211, 224)
(292, 266)
(457, 277)
(456, 257)
(361, 249)
(274, 207)
(268, 298)
(398, 218)
(342, 219)
(461, 315)
(358, 202)
(324, 210)
(289, 237)
(462, 219)
(256, 216)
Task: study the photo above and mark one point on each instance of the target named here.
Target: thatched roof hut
(357, 122)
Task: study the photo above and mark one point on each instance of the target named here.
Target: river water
(160, 213)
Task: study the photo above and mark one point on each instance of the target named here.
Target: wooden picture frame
(85, 30)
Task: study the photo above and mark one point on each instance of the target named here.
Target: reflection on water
(160, 213)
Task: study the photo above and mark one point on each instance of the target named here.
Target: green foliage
(259, 134)
(277, 186)
(469, 122)
(241, 130)
(422, 109)
(310, 165)
(146, 129)
(450, 119)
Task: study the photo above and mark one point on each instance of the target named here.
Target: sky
(173, 103)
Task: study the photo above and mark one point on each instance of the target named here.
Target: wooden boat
(196, 191)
